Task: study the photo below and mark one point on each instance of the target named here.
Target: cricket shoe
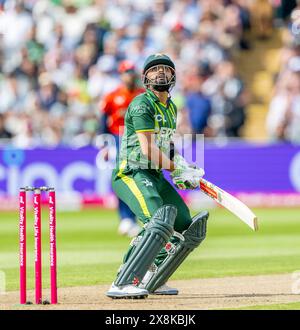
(165, 290)
(129, 228)
(126, 292)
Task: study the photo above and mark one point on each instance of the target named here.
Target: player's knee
(163, 219)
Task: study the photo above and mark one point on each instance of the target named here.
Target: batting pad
(158, 232)
(193, 237)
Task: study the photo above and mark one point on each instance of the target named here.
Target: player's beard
(161, 88)
(161, 84)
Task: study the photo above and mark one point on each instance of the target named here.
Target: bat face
(230, 202)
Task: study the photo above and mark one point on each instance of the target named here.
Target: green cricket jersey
(146, 113)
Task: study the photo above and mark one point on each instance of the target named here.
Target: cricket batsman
(169, 234)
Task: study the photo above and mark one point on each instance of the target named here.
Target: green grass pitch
(90, 250)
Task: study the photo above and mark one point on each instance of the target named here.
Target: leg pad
(193, 237)
(157, 233)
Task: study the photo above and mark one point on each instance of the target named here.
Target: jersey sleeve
(142, 116)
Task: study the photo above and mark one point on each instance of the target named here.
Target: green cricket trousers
(145, 191)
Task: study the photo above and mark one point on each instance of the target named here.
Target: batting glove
(186, 176)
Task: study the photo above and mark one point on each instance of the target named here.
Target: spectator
(18, 23)
(4, 133)
(25, 137)
(88, 132)
(35, 49)
(228, 97)
(102, 77)
(47, 92)
(284, 8)
(283, 121)
(263, 18)
(197, 103)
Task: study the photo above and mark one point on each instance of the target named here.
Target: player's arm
(152, 152)
(184, 175)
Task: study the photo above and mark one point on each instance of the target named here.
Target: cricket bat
(230, 202)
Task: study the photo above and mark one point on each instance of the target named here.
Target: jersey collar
(156, 99)
(153, 96)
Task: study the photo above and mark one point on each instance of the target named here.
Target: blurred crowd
(283, 120)
(59, 58)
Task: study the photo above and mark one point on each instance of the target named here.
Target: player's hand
(187, 178)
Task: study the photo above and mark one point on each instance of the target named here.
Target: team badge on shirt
(147, 183)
